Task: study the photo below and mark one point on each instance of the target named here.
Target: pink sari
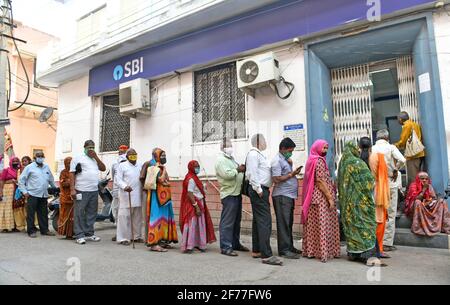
(309, 179)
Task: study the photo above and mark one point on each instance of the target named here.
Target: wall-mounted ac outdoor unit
(258, 71)
(134, 98)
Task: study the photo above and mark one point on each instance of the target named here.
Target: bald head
(403, 117)
(259, 142)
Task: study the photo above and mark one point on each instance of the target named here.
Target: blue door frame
(412, 35)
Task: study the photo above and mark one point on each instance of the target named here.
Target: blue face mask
(197, 170)
(40, 160)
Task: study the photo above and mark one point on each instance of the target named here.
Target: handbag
(150, 178)
(413, 145)
(246, 182)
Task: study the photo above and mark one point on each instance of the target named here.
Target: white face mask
(228, 151)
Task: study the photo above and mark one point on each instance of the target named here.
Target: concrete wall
(26, 131)
(75, 122)
(442, 33)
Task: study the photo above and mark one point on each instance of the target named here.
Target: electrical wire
(8, 96)
(20, 58)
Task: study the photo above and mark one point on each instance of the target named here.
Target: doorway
(368, 97)
(385, 99)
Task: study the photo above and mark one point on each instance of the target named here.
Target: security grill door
(351, 105)
(407, 87)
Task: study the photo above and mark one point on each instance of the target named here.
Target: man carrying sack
(411, 142)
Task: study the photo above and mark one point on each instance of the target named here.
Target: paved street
(43, 261)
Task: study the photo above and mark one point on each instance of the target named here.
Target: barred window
(115, 129)
(219, 106)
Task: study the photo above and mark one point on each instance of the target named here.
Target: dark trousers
(284, 211)
(230, 223)
(85, 214)
(39, 206)
(262, 222)
(413, 167)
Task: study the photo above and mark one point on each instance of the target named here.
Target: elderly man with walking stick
(129, 219)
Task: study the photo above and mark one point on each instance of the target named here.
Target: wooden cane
(131, 219)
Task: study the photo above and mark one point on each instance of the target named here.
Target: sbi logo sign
(130, 68)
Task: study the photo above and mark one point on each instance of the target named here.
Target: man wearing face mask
(259, 175)
(129, 218)
(33, 183)
(285, 192)
(84, 190)
(230, 176)
(115, 191)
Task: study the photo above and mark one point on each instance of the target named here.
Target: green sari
(356, 184)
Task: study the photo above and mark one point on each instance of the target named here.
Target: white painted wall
(75, 118)
(442, 33)
(170, 125)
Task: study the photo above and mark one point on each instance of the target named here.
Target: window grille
(115, 129)
(219, 105)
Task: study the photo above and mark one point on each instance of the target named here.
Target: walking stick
(131, 219)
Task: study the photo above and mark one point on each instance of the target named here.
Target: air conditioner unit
(258, 71)
(134, 98)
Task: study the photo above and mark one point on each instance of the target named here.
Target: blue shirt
(35, 180)
(281, 167)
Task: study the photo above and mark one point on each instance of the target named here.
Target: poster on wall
(297, 133)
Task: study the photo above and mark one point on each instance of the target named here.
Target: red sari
(65, 221)
(430, 215)
(188, 218)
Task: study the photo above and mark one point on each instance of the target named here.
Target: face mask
(16, 166)
(40, 160)
(288, 155)
(86, 150)
(133, 158)
(163, 160)
(197, 170)
(228, 151)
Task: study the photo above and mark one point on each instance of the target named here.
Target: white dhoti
(389, 233)
(124, 224)
(128, 176)
(115, 207)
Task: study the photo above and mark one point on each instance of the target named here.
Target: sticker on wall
(424, 83)
(67, 146)
(326, 118)
(297, 134)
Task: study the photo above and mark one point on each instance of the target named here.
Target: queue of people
(363, 199)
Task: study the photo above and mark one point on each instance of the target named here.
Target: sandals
(125, 243)
(229, 253)
(256, 255)
(201, 250)
(273, 261)
(384, 255)
(375, 262)
(139, 241)
(167, 246)
(158, 249)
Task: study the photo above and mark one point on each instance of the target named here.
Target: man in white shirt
(129, 219)
(85, 171)
(115, 191)
(258, 173)
(394, 161)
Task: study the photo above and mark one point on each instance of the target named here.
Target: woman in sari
(429, 213)
(162, 230)
(26, 161)
(8, 186)
(355, 185)
(320, 218)
(195, 221)
(65, 221)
